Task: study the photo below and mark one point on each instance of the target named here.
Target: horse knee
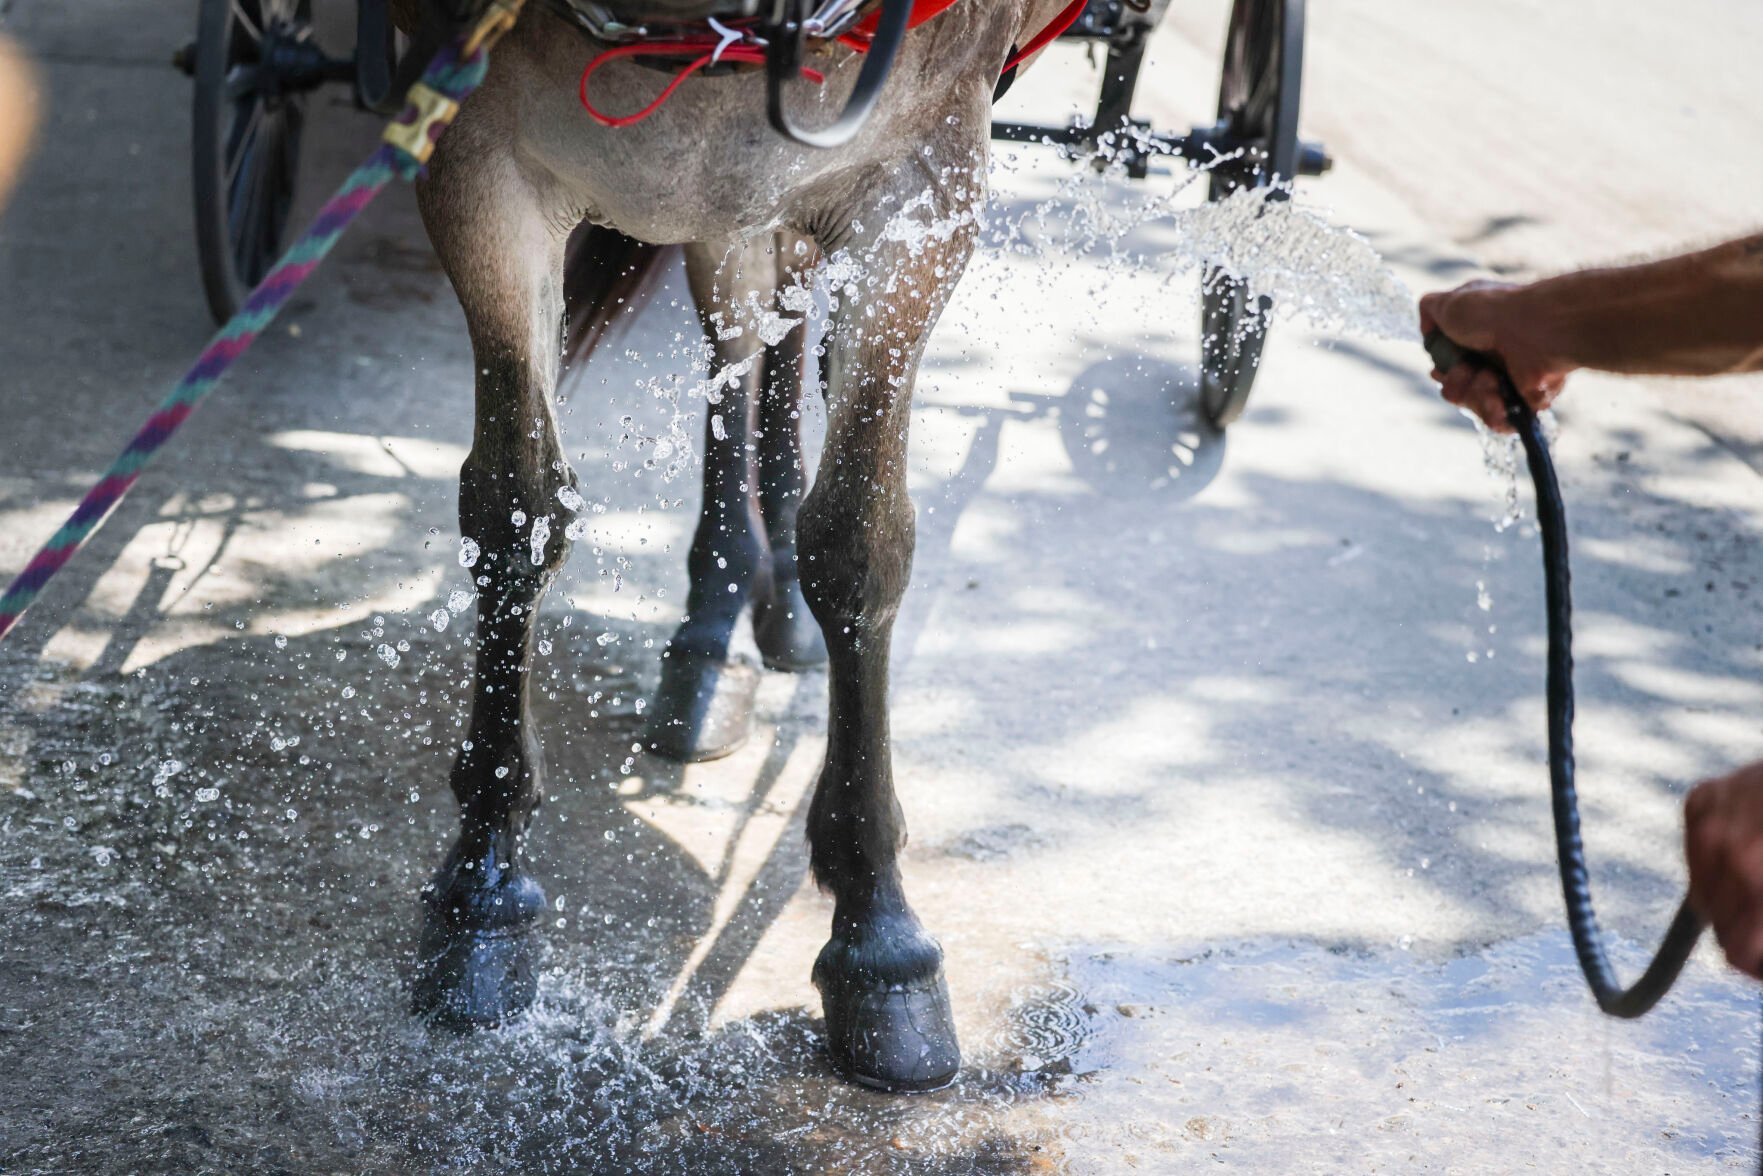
(854, 555)
(514, 518)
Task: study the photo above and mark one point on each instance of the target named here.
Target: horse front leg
(476, 962)
(888, 1020)
(703, 707)
(783, 627)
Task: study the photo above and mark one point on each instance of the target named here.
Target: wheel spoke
(239, 219)
(247, 229)
(244, 143)
(1231, 95)
(252, 28)
(1263, 96)
(247, 145)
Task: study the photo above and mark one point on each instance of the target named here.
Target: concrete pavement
(1222, 756)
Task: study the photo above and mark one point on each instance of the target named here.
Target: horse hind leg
(784, 628)
(703, 706)
(479, 948)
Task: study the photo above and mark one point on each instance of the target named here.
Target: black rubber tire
(1258, 91)
(244, 147)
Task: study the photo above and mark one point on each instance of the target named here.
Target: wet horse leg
(503, 250)
(703, 706)
(880, 976)
(783, 627)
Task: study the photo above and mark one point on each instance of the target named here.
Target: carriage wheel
(245, 143)
(1257, 110)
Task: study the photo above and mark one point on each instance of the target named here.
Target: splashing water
(1312, 269)
(541, 535)
(1275, 243)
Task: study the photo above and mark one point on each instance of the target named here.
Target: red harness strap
(707, 49)
(1066, 18)
(702, 50)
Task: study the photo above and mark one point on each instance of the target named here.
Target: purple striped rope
(448, 74)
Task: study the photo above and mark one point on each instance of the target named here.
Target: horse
(894, 211)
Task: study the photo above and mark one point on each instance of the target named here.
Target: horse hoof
(787, 634)
(474, 979)
(898, 1037)
(703, 709)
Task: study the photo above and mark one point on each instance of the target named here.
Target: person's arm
(1699, 314)
(1723, 840)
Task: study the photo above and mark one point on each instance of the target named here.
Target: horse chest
(705, 166)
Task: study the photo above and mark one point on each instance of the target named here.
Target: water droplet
(541, 535)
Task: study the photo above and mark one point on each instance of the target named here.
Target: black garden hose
(1588, 940)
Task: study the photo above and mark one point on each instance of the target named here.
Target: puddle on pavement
(201, 972)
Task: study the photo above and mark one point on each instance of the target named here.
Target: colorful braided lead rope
(450, 75)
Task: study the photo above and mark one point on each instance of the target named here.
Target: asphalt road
(1222, 756)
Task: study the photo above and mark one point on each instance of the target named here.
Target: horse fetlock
(704, 634)
(885, 951)
(484, 886)
(785, 630)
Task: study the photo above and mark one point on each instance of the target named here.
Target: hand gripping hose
(1588, 940)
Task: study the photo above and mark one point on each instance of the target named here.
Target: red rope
(701, 49)
(1046, 36)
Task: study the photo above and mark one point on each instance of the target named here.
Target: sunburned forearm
(1696, 315)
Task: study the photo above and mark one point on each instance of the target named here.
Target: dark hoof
(703, 709)
(898, 1037)
(787, 634)
(474, 979)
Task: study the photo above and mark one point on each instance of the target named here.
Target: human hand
(1496, 317)
(1723, 840)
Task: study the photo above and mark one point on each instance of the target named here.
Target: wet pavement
(1222, 756)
